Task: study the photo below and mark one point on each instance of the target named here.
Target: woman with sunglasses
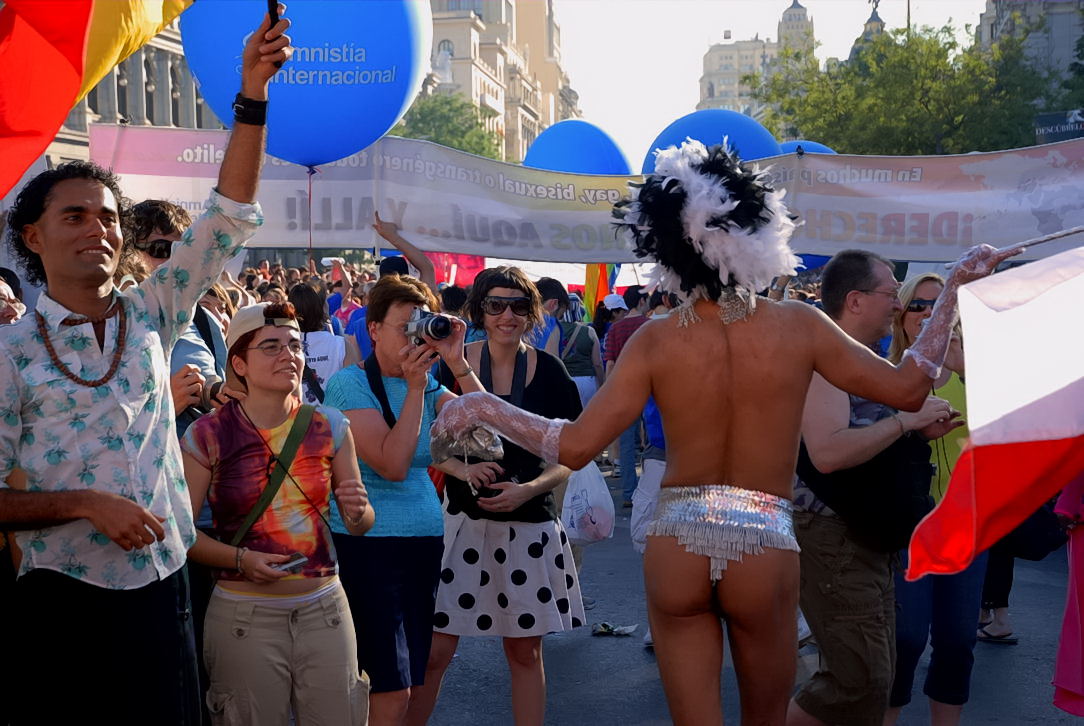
(278, 636)
(507, 568)
(938, 608)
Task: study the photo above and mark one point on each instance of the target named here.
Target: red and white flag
(1024, 347)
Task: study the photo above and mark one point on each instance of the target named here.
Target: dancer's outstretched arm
(612, 409)
(850, 366)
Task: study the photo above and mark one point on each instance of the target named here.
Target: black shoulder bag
(519, 375)
(376, 383)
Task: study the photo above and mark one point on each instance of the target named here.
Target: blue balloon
(745, 135)
(356, 68)
(577, 147)
(809, 147)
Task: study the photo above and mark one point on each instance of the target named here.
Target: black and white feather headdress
(713, 223)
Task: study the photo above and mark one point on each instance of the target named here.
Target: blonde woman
(939, 609)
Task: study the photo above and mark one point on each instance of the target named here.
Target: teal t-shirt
(407, 508)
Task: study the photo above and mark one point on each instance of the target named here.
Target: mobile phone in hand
(296, 560)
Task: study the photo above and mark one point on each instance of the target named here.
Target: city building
(1055, 27)
(152, 87)
(727, 63)
(505, 56)
(873, 27)
(795, 29)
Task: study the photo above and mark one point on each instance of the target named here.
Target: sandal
(1006, 639)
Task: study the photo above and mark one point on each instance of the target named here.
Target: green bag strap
(282, 463)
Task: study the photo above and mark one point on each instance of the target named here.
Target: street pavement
(614, 681)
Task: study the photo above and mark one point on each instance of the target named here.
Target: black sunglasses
(494, 305)
(919, 305)
(159, 249)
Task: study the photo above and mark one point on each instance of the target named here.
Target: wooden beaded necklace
(117, 308)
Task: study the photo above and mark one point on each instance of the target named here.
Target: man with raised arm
(90, 468)
(729, 374)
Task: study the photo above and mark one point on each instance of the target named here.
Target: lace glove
(929, 349)
(471, 424)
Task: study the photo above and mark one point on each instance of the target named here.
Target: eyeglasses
(159, 249)
(273, 348)
(494, 305)
(893, 294)
(919, 305)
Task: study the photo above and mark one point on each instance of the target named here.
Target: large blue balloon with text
(356, 68)
(710, 126)
(578, 147)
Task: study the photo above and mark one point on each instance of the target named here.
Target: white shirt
(324, 353)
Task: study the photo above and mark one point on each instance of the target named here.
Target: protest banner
(908, 208)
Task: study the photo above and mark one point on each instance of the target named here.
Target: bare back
(731, 396)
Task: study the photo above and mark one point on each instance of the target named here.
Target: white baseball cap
(251, 318)
(614, 302)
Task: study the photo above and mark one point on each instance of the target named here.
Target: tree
(909, 93)
(450, 121)
(1073, 85)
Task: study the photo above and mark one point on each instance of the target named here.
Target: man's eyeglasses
(159, 249)
(494, 305)
(919, 305)
(273, 348)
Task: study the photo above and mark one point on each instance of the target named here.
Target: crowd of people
(279, 498)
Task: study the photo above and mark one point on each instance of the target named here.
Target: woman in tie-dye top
(276, 636)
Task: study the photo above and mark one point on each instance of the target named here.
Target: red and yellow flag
(52, 52)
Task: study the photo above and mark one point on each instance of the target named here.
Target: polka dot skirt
(512, 579)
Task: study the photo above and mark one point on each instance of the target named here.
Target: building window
(711, 90)
(445, 46)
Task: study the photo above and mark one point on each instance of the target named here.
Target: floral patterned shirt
(119, 437)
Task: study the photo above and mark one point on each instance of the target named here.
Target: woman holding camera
(507, 567)
(391, 574)
(278, 634)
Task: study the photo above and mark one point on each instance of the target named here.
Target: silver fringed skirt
(724, 522)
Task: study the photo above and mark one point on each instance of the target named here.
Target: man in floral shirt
(90, 472)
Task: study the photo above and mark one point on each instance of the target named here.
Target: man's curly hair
(30, 204)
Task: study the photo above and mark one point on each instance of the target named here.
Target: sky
(637, 63)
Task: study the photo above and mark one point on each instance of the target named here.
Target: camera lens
(437, 327)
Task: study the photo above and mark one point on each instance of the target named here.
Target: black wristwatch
(248, 111)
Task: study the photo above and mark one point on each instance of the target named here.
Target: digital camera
(424, 324)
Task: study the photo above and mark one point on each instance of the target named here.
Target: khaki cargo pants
(264, 661)
(848, 599)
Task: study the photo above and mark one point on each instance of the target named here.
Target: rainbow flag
(599, 283)
(52, 52)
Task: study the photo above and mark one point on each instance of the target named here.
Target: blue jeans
(628, 452)
(941, 609)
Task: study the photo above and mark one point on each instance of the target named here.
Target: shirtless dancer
(729, 373)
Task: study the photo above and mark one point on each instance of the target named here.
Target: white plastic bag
(588, 511)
